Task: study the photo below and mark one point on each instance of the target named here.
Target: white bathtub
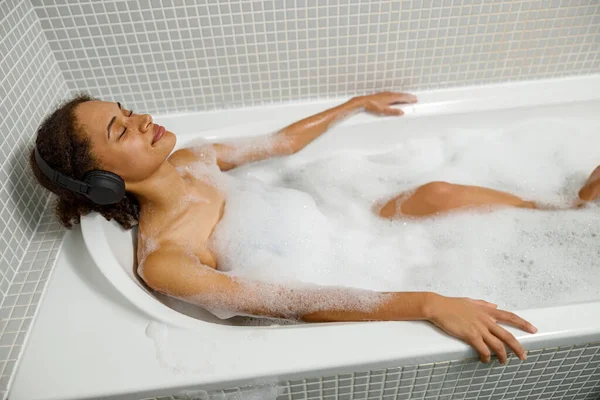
(112, 249)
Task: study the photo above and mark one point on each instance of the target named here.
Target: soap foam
(205, 152)
(194, 198)
(297, 220)
(173, 349)
(150, 245)
(256, 392)
(274, 299)
(241, 150)
(289, 301)
(207, 173)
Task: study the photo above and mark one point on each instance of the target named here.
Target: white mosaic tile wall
(566, 373)
(30, 83)
(179, 55)
(183, 55)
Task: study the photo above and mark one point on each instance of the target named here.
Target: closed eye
(124, 130)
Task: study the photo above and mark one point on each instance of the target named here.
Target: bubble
(251, 297)
(310, 220)
(195, 198)
(254, 392)
(148, 245)
(242, 150)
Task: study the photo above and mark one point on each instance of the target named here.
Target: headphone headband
(63, 180)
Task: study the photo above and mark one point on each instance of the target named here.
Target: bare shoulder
(183, 157)
(206, 153)
(170, 261)
(170, 252)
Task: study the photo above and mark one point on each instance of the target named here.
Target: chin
(168, 141)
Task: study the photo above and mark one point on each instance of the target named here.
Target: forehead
(95, 110)
(95, 115)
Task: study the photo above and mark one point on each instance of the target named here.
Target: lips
(159, 131)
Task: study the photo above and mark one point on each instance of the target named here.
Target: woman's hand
(379, 103)
(476, 322)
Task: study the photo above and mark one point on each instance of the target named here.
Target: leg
(591, 190)
(437, 197)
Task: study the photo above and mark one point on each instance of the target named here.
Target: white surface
(112, 247)
(89, 341)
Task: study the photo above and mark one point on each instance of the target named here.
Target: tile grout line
(50, 265)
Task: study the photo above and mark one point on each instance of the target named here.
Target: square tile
(205, 56)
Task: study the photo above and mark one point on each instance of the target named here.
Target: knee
(436, 189)
(437, 193)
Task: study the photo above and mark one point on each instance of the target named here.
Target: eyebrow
(112, 121)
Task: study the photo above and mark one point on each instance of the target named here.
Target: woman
(85, 134)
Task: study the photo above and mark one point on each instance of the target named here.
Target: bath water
(310, 219)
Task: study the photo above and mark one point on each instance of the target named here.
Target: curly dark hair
(61, 145)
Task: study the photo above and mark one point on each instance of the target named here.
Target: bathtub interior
(113, 248)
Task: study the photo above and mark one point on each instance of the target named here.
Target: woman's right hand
(476, 322)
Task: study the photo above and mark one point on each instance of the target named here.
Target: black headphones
(101, 187)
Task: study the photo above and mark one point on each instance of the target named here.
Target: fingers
(392, 111)
(509, 339)
(404, 98)
(379, 102)
(514, 320)
(497, 346)
(483, 350)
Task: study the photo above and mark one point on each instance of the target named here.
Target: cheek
(137, 162)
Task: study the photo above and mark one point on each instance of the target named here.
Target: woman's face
(127, 144)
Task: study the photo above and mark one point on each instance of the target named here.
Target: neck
(160, 190)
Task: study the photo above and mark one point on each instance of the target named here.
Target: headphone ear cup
(105, 187)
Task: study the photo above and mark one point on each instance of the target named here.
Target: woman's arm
(175, 273)
(298, 135)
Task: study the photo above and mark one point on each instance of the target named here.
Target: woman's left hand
(379, 103)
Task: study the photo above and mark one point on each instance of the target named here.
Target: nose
(144, 122)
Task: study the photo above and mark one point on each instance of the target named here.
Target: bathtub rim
(437, 102)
